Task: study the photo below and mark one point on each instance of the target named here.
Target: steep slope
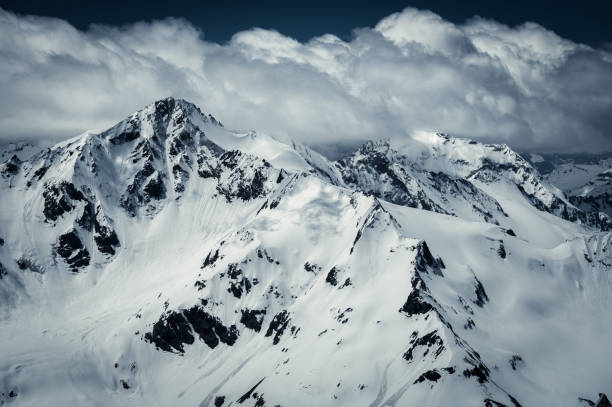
(170, 261)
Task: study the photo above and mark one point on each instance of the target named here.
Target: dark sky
(586, 21)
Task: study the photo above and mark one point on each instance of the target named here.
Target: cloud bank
(524, 86)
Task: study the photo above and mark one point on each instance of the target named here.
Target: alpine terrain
(169, 261)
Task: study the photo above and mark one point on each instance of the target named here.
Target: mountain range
(169, 260)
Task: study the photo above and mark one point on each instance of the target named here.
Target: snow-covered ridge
(171, 261)
(429, 169)
(587, 181)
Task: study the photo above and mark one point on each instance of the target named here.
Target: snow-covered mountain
(171, 261)
(586, 180)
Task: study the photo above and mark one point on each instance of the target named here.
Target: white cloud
(522, 85)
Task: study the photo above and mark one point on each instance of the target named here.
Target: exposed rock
(60, 199)
(10, 167)
(247, 395)
(332, 276)
(176, 329)
(481, 294)
(278, 325)
(430, 375)
(252, 319)
(516, 362)
(429, 340)
(105, 237)
(70, 247)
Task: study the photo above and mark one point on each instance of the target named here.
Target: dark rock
(234, 271)
(425, 261)
(603, 401)
(235, 289)
(240, 284)
(38, 174)
(155, 188)
(147, 185)
(515, 401)
(415, 305)
(207, 166)
(481, 294)
(106, 239)
(357, 237)
(332, 276)
(264, 254)
(346, 283)
(516, 362)
(429, 340)
(252, 319)
(11, 166)
(247, 176)
(469, 324)
(312, 268)
(125, 137)
(247, 395)
(24, 263)
(219, 400)
(502, 250)
(171, 332)
(429, 259)
(59, 199)
(70, 247)
(480, 371)
(211, 258)
(181, 176)
(278, 325)
(210, 329)
(87, 218)
(343, 316)
(174, 330)
(259, 402)
(430, 375)
(493, 403)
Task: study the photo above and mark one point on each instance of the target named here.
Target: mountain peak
(159, 119)
(171, 106)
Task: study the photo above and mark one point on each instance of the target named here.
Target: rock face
(585, 179)
(378, 169)
(168, 260)
(452, 176)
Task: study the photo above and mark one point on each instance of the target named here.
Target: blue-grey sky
(534, 75)
(587, 21)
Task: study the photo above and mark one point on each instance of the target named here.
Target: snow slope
(170, 261)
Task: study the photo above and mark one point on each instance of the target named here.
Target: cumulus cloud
(523, 85)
